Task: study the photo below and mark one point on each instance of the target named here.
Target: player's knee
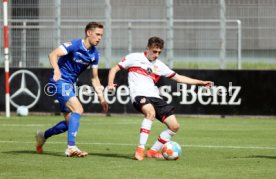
(175, 127)
(150, 115)
(78, 110)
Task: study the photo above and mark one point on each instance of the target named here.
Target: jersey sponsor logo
(67, 44)
(80, 61)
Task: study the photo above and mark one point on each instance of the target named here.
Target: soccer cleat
(139, 153)
(40, 140)
(75, 152)
(154, 154)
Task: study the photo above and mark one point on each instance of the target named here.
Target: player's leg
(167, 134)
(62, 126)
(73, 126)
(164, 113)
(149, 116)
(144, 106)
(42, 136)
(59, 128)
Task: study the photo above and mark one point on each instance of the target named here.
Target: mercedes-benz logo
(23, 88)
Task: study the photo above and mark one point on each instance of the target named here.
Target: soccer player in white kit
(144, 70)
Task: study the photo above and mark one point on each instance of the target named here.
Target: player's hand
(111, 87)
(104, 106)
(57, 75)
(207, 84)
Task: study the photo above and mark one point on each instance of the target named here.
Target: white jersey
(143, 74)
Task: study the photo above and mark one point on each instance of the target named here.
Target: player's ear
(89, 32)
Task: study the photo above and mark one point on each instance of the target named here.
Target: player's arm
(111, 76)
(184, 79)
(53, 58)
(98, 88)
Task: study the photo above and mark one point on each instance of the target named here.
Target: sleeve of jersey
(125, 62)
(67, 47)
(95, 63)
(167, 72)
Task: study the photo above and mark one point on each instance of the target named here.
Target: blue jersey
(76, 60)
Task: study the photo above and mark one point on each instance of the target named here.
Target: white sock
(144, 132)
(71, 147)
(164, 137)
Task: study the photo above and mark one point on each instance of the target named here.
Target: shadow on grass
(18, 152)
(129, 157)
(112, 155)
(256, 156)
(58, 154)
(261, 156)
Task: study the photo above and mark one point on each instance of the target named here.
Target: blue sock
(73, 126)
(60, 127)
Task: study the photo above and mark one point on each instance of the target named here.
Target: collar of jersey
(85, 47)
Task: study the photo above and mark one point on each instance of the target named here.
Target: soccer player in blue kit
(69, 60)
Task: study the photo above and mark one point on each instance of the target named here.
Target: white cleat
(75, 152)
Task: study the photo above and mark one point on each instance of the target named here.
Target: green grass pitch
(211, 148)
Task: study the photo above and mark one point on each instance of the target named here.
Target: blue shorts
(63, 92)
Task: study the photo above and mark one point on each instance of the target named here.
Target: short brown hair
(93, 25)
(155, 42)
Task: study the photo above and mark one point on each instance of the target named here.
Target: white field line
(121, 144)
(34, 125)
(23, 125)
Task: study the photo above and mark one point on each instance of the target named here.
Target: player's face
(153, 53)
(95, 36)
